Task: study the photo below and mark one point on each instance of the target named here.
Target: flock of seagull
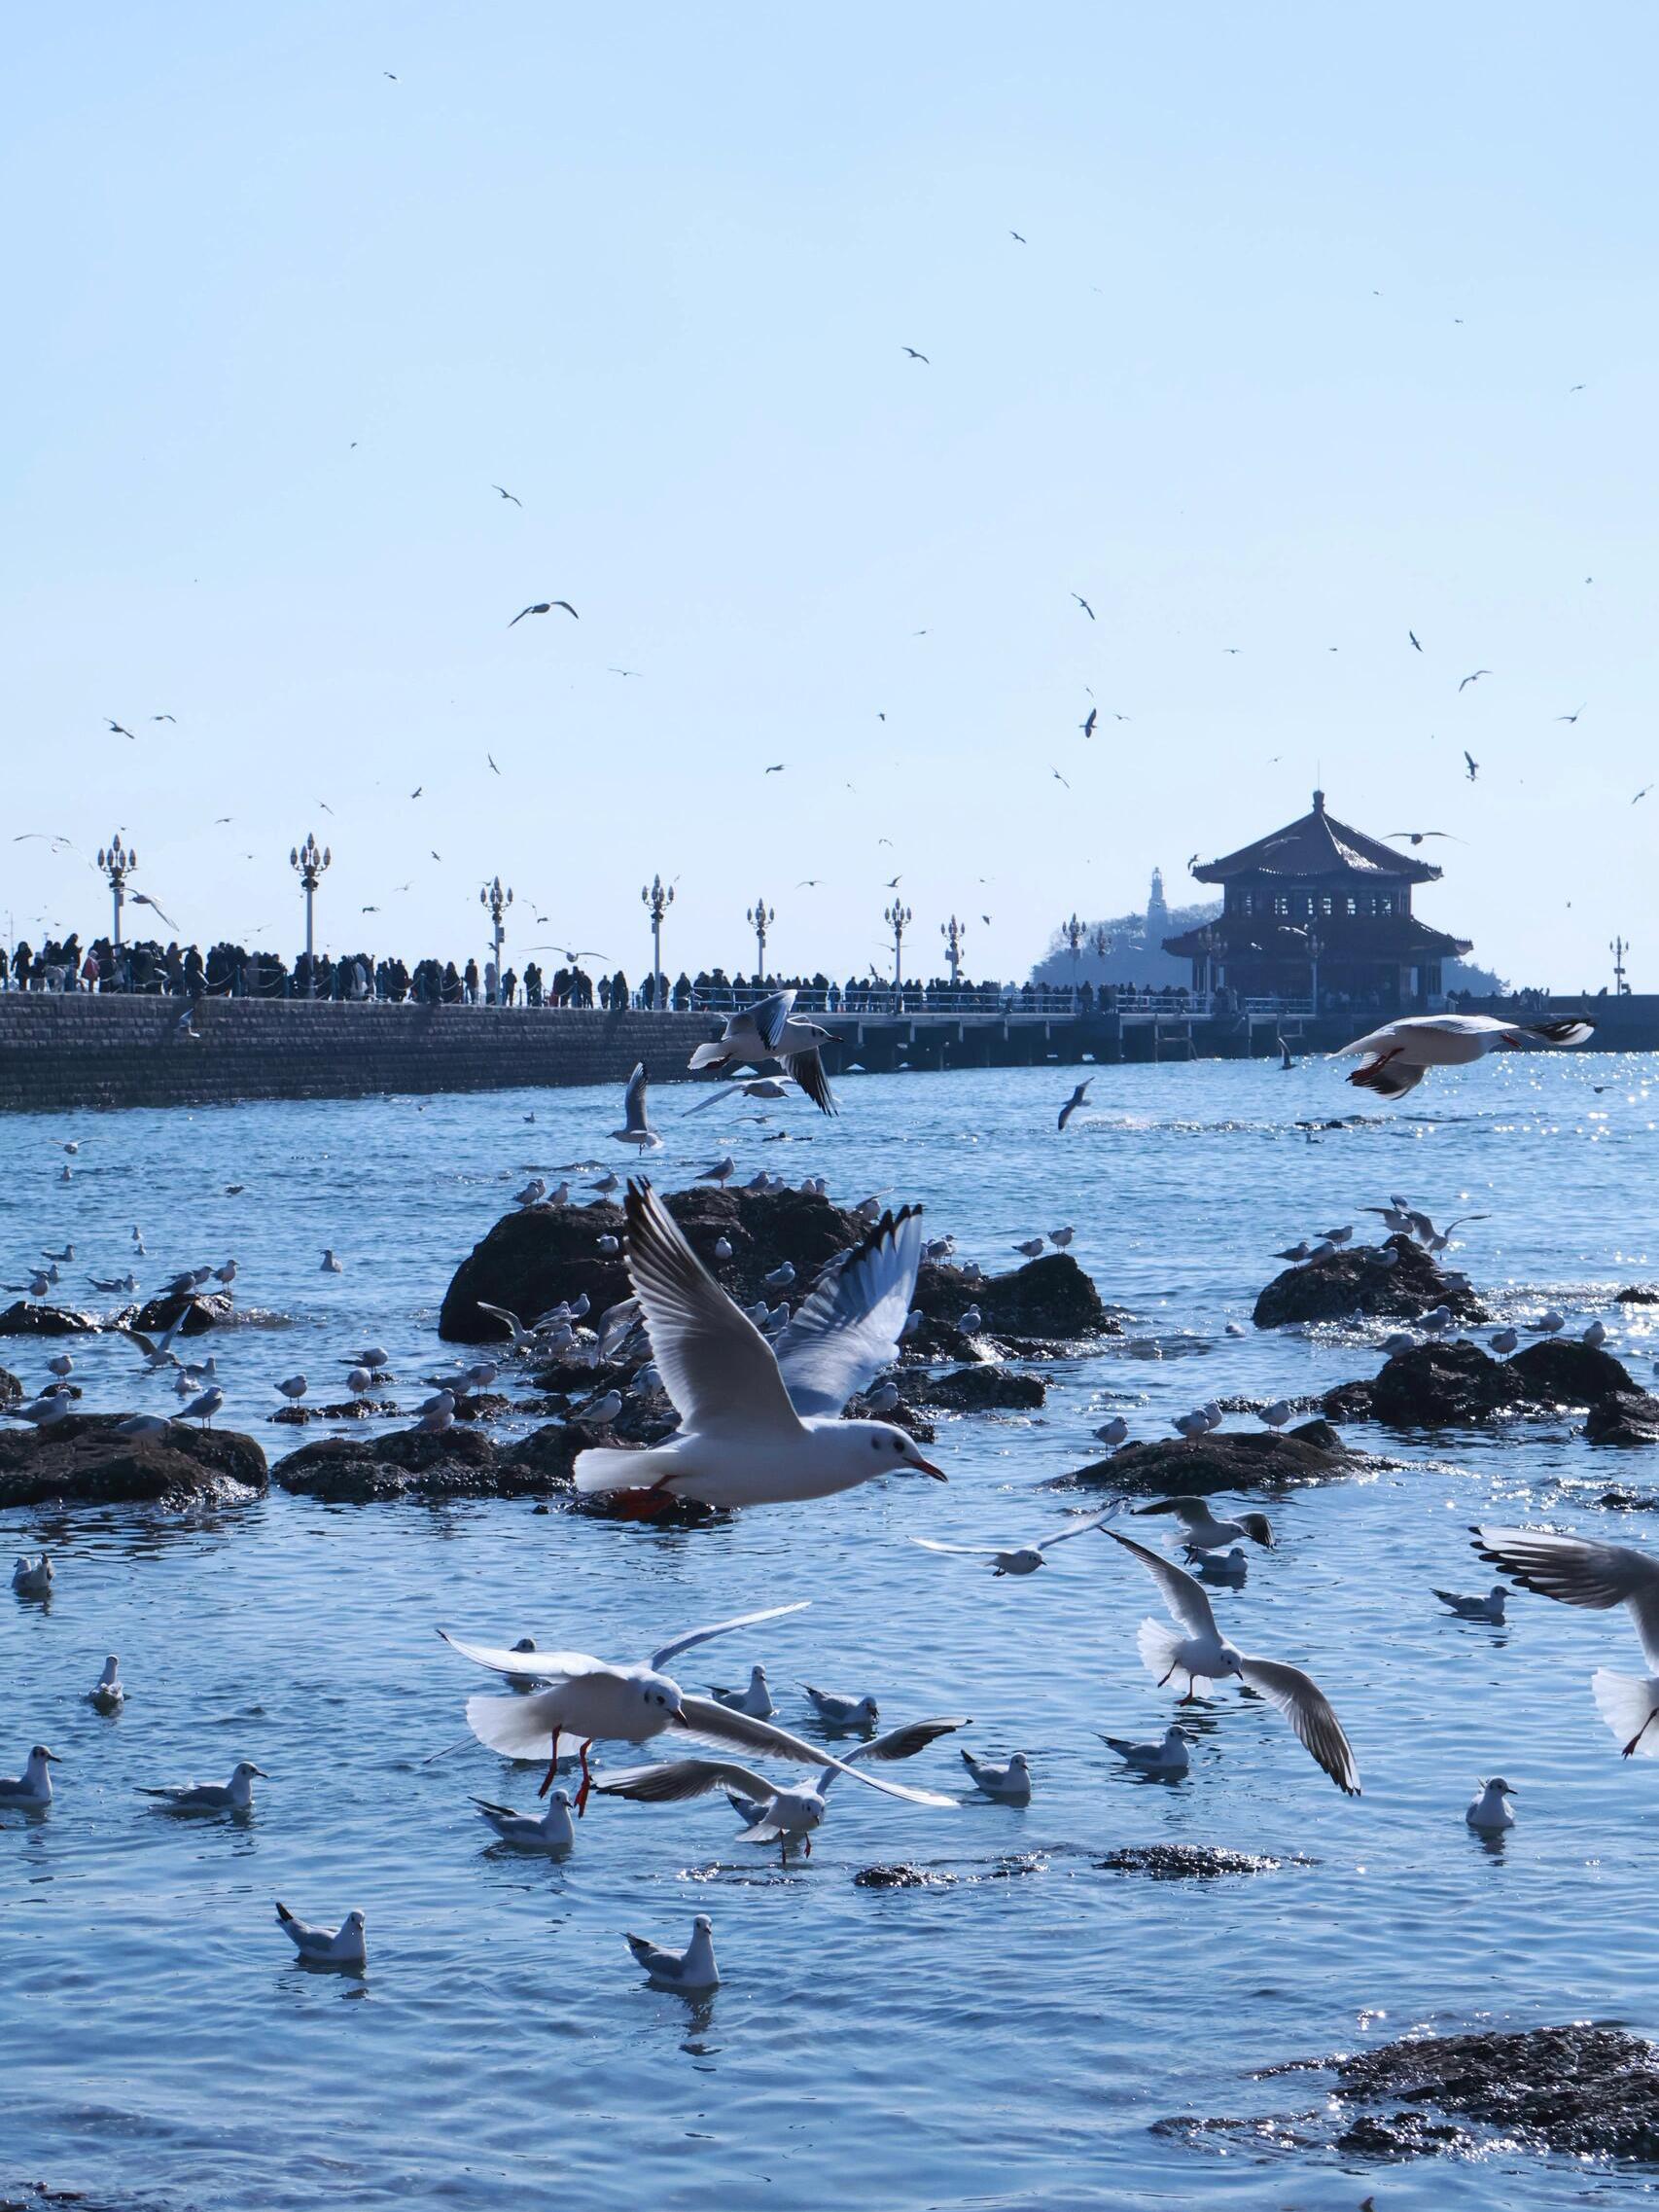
(776, 1406)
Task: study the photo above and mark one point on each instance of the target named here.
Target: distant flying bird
(1016, 236)
(621, 671)
(1058, 777)
(505, 494)
(143, 899)
(893, 882)
(545, 607)
(1417, 836)
(1572, 716)
(369, 910)
(120, 730)
(435, 855)
(914, 355)
(1474, 679)
(418, 789)
(811, 882)
(1078, 1097)
(388, 73)
(490, 756)
(1472, 764)
(1193, 863)
(1642, 793)
(1083, 603)
(777, 767)
(163, 718)
(1087, 727)
(1412, 634)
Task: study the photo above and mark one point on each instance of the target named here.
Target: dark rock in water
(1047, 1301)
(1637, 1294)
(549, 1454)
(546, 1256)
(1226, 1459)
(1188, 1862)
(11, 1389)
(1459, 1385)
(980, 1390)
(24, 1319)
(1352, 1280)
(455, 1463)
(203, 1311)
(82, 1460)
(902, 1876)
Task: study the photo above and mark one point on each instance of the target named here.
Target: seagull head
(703, 1924)
(883, 1447)
(1499, 1786)
(660, 1699)
(247, 1770)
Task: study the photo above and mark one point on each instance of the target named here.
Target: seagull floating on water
(1491, 1812)
(1487, 1608)
(32, 1788)
(693, 1969)
(235, 1796)
(1170, 1757)
(553, 1834)
(342, 1946)
(756, 1700)
(1008, 1784)
(836, 1710)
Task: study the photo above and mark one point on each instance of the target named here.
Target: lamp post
(1073, 932)
(309, 863)
(760, 918)
(657, 898)
(497, 901)
(898, 918)
(953, 932)
(1618, 948)
(1316, 946)
(117, 862)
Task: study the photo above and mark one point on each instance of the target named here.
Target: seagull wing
(963, 1550)
(1076, 1528)
(660, 1964)
(1379, 1041)
(1307, 1708)
(1181, 1592)
(672, 1781)
(769, 1016)
(721, 1091)
(718, 1725)
(906, 1741)
(807, 1069)
(715, 1366)
(544, 1667)
(1573, 1570)
(634, 1116)
(847, 1328)
(661, 1657)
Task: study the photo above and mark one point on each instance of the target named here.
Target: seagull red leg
(553, 1767)
(581, 1794)
(1630, 1747)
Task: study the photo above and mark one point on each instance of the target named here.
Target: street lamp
(657, 898)
(309, 863)
(953, 932)
(760, 918)
(1073, 932)
(898, 918)
(497, 901)
(1316, 946)
(1618, 948)
(116, 862)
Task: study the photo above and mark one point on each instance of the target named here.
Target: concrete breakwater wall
(66, 1051)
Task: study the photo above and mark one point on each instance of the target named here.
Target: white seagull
(595, 1701)
(1171, 1756)
(755, 1700)
(32, 1788)
(781, 1816)
(1574, 1570)
(1021, 1559)
(1203, 1532)
(1009, 1784)
(1488, 1608)
(235, 1796)
(767, 1086)
(693, 1969)
(636, 1128)
(325, 1947)
(1399, 1054)
(1491, 1812)
(552, 1836)
(1203, 1655)
(770, 1031)
(1078, 1097)
(759, 1423)
(108, 1694)
(33, 1576)
(836, 1710)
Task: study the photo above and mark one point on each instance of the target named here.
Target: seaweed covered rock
(25, 1319)
(1356, 1279)
(1049, 1299)
(454, 1463)
(1225, 1459)
(545, 1256)
(1459, 1385)
(981, 1390)
(195, 1314)
(1187, 1862)
(83, 1460)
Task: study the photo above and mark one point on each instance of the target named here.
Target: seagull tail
(1156, 1642)
(711, 1055)
(519, 1728)
(605, 1468)
(1561, 1032)
(1626, 1702)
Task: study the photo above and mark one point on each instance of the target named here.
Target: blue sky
(1284, 364)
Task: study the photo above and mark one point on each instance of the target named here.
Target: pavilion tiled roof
(1380, 937)
(1319, 846)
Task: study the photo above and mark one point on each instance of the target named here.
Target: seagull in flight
(1398, 1055)
(1474, 679)
(1078, 1097)
(1574, 716)
(1196, 1648)
(914, 355)
(1083, 603)
(1574, 1570)
(1087, 727)
(1417, 836)
(1472, 763)
(505, 494)
(1058, 777)
(1642, 793)
(163, 718)
(1014, 234)
(490, 756)
(120, 729)
(777, 767)
(1017, 1558)
(545, 607)
(761, 1422)
(636, 1128)
(1412, 634)
(769, 1030)
(143, 899)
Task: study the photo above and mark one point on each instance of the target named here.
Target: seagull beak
(927, 1467)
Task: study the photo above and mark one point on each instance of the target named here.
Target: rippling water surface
(1008, 2041)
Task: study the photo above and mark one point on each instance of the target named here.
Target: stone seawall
(64, 1050)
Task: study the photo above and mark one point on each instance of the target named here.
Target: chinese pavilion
(1320, 911)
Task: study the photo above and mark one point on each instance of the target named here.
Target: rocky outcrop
(23, 1319)
(83, 1460)
(546, 1256)
(980, 1390)
(1355, 1280)
(415, 1463)
(1225, 1459)
(1580, 2092)
(11, 1389)
(1188, 1862)
(1460, 1387)
(1047, 1301)
(1637, 1294)
(195, 1315)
